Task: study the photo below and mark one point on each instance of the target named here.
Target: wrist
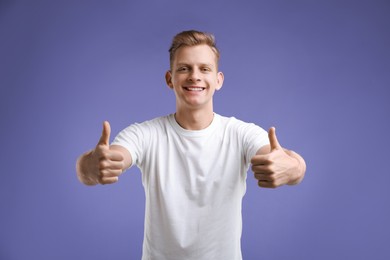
(299, 171)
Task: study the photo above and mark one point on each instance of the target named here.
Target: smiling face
(194, 77)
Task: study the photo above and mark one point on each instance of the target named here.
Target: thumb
(105, 138)
(273, 140)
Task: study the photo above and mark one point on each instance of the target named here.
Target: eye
(182, 69)
(206, 69)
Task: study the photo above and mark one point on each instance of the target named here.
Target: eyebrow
(201, 64)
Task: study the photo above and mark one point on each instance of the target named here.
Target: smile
(194, 88)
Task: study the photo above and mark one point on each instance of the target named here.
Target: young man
(193, 162)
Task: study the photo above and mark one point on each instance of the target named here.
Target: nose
(194, 76)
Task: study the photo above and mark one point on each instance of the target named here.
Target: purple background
(317, 70)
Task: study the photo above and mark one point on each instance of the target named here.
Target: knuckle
(270, 161)
(103, 164)
(272, 185)
(272, 169)
(104, 181)
(110, 180)
(103, 154)
(103, 173)
(275, 184)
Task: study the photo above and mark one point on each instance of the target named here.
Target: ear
(220, 78)
(168, 79)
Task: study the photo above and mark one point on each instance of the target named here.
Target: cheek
(173, 83)
(177, 79)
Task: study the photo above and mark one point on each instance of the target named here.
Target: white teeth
(195, 89)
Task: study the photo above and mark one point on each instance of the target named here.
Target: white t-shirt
(194, 183)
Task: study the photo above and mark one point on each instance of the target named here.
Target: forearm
(299, 172)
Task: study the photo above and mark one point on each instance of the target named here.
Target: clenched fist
(278, 166)
(103, 164)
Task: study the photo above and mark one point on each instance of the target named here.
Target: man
(193, 162)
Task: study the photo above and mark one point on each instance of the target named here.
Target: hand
(110, 162)
(102, 165)
(276, 168)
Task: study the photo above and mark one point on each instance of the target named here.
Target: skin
(194, 67)
(194, 78)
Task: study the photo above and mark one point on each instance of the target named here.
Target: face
(194, 77)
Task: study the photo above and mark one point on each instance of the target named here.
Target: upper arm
(265, 149)
(128, 161)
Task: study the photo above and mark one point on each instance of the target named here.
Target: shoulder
(246, 132)
(236, 124)
(144, 130)
(158, 122)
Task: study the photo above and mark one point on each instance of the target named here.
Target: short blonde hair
(192, 38)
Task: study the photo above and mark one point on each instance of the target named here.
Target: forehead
(194, 55)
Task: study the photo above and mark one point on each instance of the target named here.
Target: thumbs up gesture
(101, 165)
(276, 166)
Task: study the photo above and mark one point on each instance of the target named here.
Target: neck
(194, 119)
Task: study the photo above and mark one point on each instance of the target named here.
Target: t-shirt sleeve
(133, 139)
(254, 138)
